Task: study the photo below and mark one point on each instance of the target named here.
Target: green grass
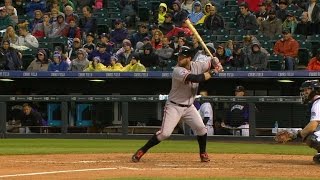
(90, 146)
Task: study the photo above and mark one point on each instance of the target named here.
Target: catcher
(310, 134)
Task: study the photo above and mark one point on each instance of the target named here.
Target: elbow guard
(195, 78)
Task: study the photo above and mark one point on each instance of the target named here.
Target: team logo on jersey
(313, 114)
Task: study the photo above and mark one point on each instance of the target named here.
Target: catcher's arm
(310, 128)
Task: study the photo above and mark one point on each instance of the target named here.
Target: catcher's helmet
(314, 89)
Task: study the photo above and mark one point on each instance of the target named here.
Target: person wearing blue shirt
(58, 64)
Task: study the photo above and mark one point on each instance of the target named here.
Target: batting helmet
(309, 89)
(185, 51)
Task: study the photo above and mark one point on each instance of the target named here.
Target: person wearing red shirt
(314, 63)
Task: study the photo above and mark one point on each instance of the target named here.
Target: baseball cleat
(316, 158)
(136, 157)
(204, 157)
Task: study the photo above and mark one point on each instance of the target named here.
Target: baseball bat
(217, 64)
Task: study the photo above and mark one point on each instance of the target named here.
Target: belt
(181, 105)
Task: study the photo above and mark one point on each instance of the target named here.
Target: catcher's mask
(314, 89)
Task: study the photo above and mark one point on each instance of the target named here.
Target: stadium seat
(314, 38)
(262, 38)
(230, 25)
(223, 38)
(237, 32)
(275, 62)
(299, 37)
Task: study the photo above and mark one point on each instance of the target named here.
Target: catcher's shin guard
(316, 158)
(312, 142)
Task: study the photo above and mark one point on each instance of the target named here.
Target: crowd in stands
(85, 35)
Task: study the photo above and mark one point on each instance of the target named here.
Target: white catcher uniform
(207, 112)
(179, 105)
(315, 115)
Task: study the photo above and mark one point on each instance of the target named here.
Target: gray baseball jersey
(180, 101)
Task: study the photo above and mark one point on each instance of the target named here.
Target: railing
(124, 99)
(157, 74)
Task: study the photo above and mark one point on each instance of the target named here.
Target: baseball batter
(179, 106)
(310, 93)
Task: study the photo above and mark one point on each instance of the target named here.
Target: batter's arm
(197, 78)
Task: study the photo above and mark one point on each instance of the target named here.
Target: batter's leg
(172, 115)
(194, 120)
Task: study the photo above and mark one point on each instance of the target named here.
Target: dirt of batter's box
(116, 165)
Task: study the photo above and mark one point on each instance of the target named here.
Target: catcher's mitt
(285, 136)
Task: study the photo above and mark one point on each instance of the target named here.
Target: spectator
(221, 55)
(8, 4)
(13, 16)
(119, 33)
(129, 9)
(262, 14)
(272, 26)
(114, 64)
(125, 54)
(214, 21)
(134, 65)
(59, 28)
(187, 5)
(314, 63)
(54, 15)
(72, 31)
(101, 53)
(162, 13)
(257, 60)
(288, 48)
(196, 44)
(237, 59)
(26, 39)
(89, 48)
(167, 25)
(304, 27)
(87, 23)
(5, 19)
(41, 62)
(148, 58)
(96, 65)
(36, 20)
(156, 40)
(282, 11)
(165, 52)
(180, 31)
(237, 115)
(245, 19)
(35, 5)
(76, 45)
(81, 62)
(140, 34)
(70, 15)
(270, 5)
(196, 16)
(10, 35)
(65, 3)
(90, 40)
(229, 48)
(313, 10)
(290, 23)
(105, 39)
(83, 3)
(182, 41)
(179, 14)
(19, 5)
(206, 10)
(11, 58)
(44, 28)
(58, 64)
(98, 4)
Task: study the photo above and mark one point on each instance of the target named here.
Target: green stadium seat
(305, 45)
(314, 38)
(262, 38)
(223, 38)
(229, 68)
(231, 3)
(237, 32)
(26, 60)
(299, 37)
(230, 25)
(275, 62)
